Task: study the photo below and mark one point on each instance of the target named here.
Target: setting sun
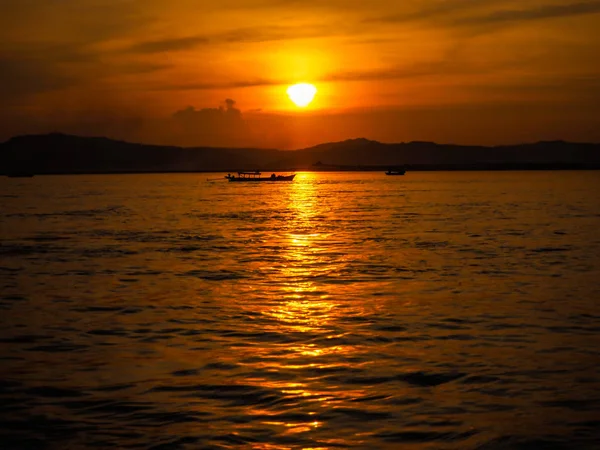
(301, 94)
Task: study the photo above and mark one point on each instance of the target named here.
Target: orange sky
(463, 71)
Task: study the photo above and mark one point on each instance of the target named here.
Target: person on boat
(272, 176)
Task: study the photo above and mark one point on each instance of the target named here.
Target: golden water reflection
(303, 305)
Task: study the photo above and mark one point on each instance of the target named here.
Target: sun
(301, 94)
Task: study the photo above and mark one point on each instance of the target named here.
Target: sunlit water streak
(435, 310)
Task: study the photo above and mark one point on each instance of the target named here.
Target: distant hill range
(65, 154)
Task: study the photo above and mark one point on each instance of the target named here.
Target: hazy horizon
(455, 71)
(344, 141)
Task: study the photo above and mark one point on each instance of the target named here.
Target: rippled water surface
(341, 310)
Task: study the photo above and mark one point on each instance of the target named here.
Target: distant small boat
(396, 172)
(256, 176)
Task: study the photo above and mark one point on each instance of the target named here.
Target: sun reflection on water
(302, 307)
(308, 317)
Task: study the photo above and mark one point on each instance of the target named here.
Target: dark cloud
(40, 72)
(57, 53)
(166, 45)
(222, 126)
(241, 35)
(23, 76)
(465, 12)
(81, 21)
(139, 67)
(432, 10)
(217, 85)
(542, 12)
(276, 33)
(398, 73)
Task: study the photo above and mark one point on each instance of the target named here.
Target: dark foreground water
(431, 311)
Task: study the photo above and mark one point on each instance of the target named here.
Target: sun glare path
(301, 94)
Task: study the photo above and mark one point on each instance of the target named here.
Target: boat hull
(259, 179)
(395, 173)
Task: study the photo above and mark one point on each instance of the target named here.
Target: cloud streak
(466, 12)
(542, 12)
(391, 73)
(169, 45)
(25, 76)
(400, 73)
(217, 85)
(237, 36)
(429, 12)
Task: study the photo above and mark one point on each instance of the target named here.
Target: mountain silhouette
(58, 153)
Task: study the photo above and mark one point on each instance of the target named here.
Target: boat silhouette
(396, 172)
(256, 176)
